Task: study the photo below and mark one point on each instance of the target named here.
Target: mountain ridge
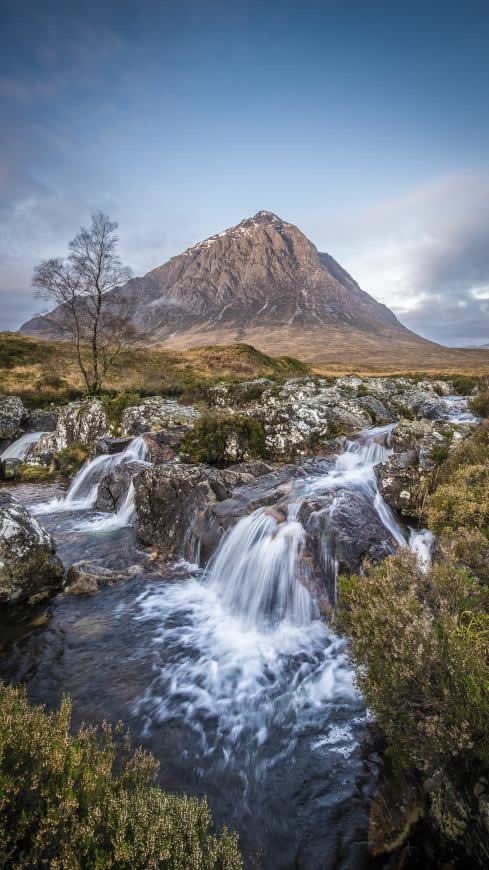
(262, 281)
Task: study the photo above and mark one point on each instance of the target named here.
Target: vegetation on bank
(420, 643)
(220, 440)
(89, 800)
(65, 463)
(30, 368)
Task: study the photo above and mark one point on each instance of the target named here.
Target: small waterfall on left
(20, 447)
(82, 493)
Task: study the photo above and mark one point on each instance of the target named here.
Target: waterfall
(20, 447)
(256, 570)
(82, 493)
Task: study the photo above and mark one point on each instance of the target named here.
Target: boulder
(83, 422)
(344, 532)
(41, 420)
(109, 445)
(378, 412)
(234, 396)
(171, 501)
(88, 578)
(10, 469)
(114, 485)
(156, 413)
(418, 447)
(164, 445)
(12, 415)
(29, 567)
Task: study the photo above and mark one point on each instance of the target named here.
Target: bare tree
(91, 312)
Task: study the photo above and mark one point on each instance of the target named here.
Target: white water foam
(20, 447)
(82, 493)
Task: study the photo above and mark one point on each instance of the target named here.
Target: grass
(30, 368)
(42, 371)
(89, 800)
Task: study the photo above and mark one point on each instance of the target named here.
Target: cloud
(426, 255)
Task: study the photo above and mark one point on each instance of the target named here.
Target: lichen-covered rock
(88, 578)
(170, 500)
(83, 422)
(404, 480)
(378, 412)
(41, 420)
(12, 415)
(10, 469)
(110, 446)
(236, 395)
(156, 413)
(29, 567)
(113, 487)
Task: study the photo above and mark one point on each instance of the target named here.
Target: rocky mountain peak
(261, 273)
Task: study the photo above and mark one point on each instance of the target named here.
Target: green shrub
(464, 384)
(89, 800)
(462, 501)
(223, 439)
(70, 459)
(479, 405)
(114, 406)
(421, 644)
(470, 451)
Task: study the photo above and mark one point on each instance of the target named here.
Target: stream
(227, 674)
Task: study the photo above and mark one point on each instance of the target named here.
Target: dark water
(262, 718)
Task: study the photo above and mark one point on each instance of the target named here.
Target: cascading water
(256, 571)
(20, 447)
(82, 493)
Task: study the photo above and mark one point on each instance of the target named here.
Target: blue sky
(365, 124)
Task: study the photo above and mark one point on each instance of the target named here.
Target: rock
(156, 413)
(109, 445)
(420, 403)
(419, 446)
(83, 422)
(12, 414)
(303, 414)
(87, 578)
(10, 469)
(344, 531)
(42, 420)
(378, 412)
(114, 486)
(171, 499)
(29, 567)
(164, 445)
(236, 395)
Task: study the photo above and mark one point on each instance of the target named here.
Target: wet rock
(29, 567)
(164, 445)
(115, 484)
(378, 412)
(10, 469)
(156, 413)
(83, 422)
(344, 531)
(109, 446)
(87, 578)
(171, 501)
(394, 811)
(42, 420)
(12, 415)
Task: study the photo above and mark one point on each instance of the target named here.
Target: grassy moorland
(43, 371)
(46, 371)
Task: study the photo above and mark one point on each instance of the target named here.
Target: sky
(365, 124)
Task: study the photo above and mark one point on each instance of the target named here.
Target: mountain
(263, 282)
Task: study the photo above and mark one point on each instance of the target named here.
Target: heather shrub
(223, 439)
(479, 405)
(70, 459)
(421, 644)
(89, 800)
(462, 501)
